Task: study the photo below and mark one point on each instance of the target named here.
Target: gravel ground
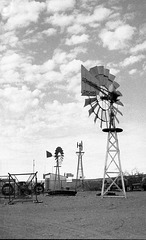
(84, 216)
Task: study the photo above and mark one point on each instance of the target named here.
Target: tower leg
(112, 169)
(80, 174)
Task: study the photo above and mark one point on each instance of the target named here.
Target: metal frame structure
(57, 174)
(80, 173)
(112, 167)
(99, 85)
(23, 193)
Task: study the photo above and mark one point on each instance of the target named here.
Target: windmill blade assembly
(103, 97)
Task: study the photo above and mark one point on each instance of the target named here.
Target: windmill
(103, 99)
(59, 155)
(58, 190)
(80, 173)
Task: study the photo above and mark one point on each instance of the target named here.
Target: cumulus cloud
(22, 13)
(60, 6)
(17, 102)
(111, 25)
(71, 67)
(12, 64)
(50, 31)
(76, 39)
(132, 59)
(139, 48)
(132, 71)
(117, 39)
(9, 39)
(100, 13)
(76, 29)
(61, 20)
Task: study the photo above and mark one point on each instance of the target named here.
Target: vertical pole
(36, 185)
(33, 165)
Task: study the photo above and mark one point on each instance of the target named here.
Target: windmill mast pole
(33, 165)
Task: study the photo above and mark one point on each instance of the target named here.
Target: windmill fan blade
(100, 70)
(119, 103)
(89, 101)
(106, 72)
(116, 118)
(94, 71)
(117, 110)
(92, 109)
(111, 88)
(116, 85)
(104, 116)
(119, 93)
(111, 77)
(96, 116)
(101, 117)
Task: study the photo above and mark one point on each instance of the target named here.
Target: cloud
(12, 65)
(70, 68)
(50, 31)
(9, 39)
(76, 29)
(100, 14)
(132, 71)
(22, 13)
(61, 20)
(131, 60)
(76, 39)
(139, 48)
(60, 6)
(17, 102)
(111, 25)
(117, 39)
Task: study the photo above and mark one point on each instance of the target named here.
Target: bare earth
(84, 216)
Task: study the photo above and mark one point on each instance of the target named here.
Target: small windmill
(59, 155)
(58, 190)
(103, 98)
(80, 173)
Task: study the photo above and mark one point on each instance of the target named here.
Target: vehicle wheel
(38, 188)
(7, 189)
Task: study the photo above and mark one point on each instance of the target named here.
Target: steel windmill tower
(80, 173)
(103, 98)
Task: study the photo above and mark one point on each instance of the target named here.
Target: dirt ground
(84, 216)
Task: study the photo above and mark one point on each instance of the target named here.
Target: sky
(43, 44)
